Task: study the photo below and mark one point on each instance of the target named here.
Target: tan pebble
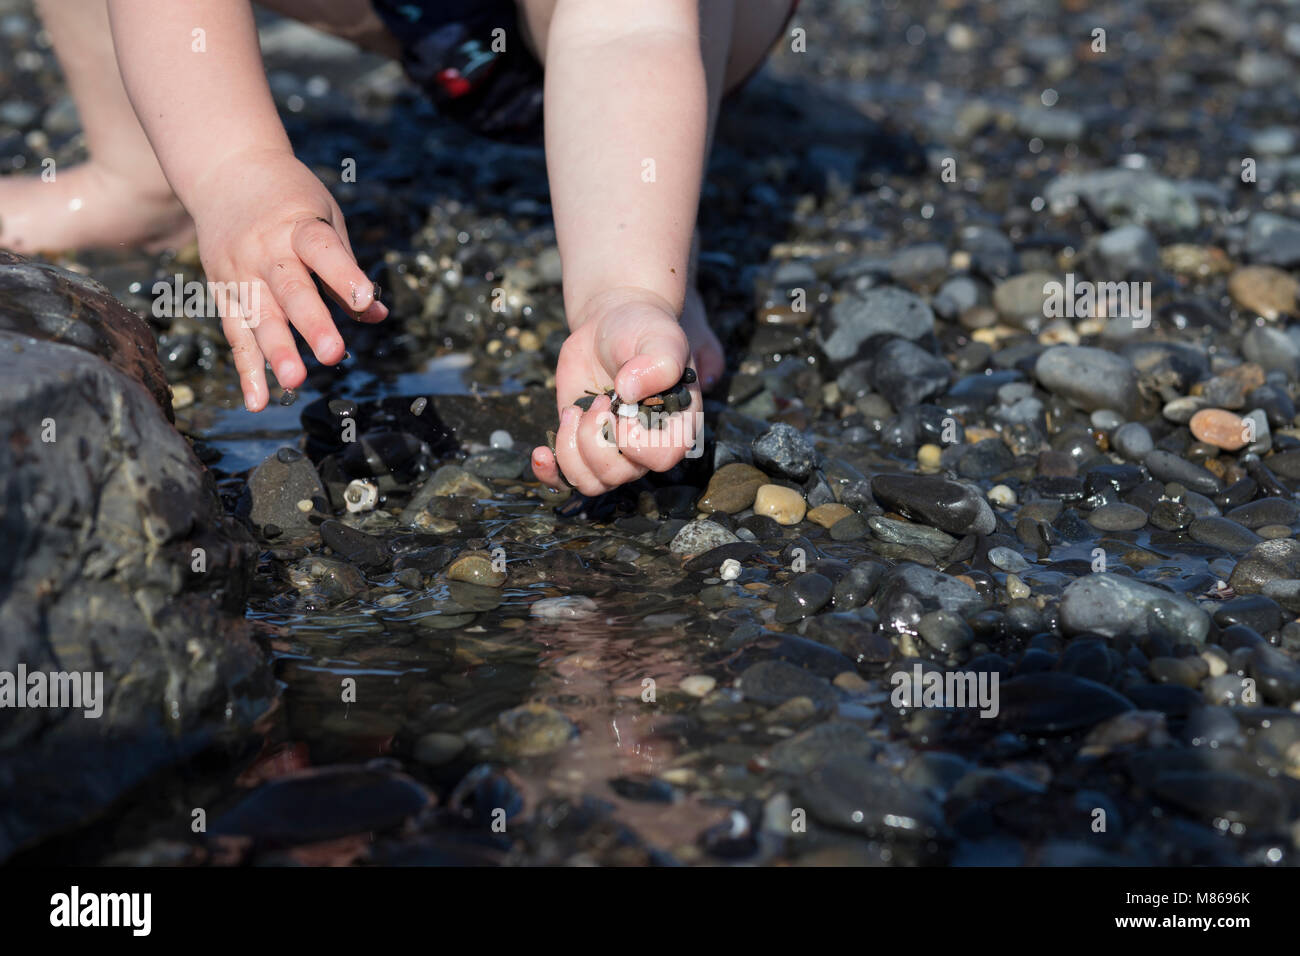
(1016, 588)
(1219, 428)
(476, 567)
(1058, 333)
(783, 505)
(851, 682)
(1217, 665)
(304, 505)
(182, 397)
(967, 580)
(1264, 290)
(793, 711)
(529, 341)
(1271, 532)
(827, 514)
(974, 435)
(732, 488)
(928, 457)
(697, 685)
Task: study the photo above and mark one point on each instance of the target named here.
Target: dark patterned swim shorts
(470, 57)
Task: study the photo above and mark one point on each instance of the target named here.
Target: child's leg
(119, 196)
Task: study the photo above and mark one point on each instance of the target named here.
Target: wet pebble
(783, 505)
(477, 567)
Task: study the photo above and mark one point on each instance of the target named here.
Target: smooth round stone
(1170, 515)
(534, 730)
(1181, 410)
(1113, 605)
(501, 439)
(570, 607)
(944, 504)
(1002, 496)
(929, 457)
(803, 597)
(476, 567)
(1267, 561)
(850, 528)
(945, 631)
(1132, 440)
(783, 505)
(1007, 559)
(1264, 290)
(1105, 420)
(1118, 517)
(1168, 467)
(1271, 532)
(771, 683)
(1265, 511)
(696, 537)
(1220, 428)
(1225, 534)
(1178, 670)
(827, 515)
(697, 685)
(1088, 377)
(732, 488)
(436, 749)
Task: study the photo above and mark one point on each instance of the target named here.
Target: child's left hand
(632, 341)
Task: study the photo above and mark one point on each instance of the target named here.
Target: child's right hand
(631, 340)
(268, 223)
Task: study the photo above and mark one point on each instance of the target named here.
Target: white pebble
(304, 505)
(697, 685)
(571, 607)
(730, 569)
(501, 439)
(628, 410)
(1002, 496)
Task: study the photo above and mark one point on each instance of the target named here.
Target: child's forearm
(194, 73)
(626, 127)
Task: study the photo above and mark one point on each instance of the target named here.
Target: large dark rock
(119, 561)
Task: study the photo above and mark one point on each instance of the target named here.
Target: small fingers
(660, 448)
(319, 246)
(546, 469)
(296, 294)
(598, 440)
(569, 458)
(278, 348)
(249, 361)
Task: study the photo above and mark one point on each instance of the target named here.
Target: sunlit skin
(184, 140)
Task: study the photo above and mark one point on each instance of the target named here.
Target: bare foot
(705, 347)
(89, 207)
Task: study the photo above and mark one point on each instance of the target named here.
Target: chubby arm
(627, 108)
(194, 74)
(626, 132)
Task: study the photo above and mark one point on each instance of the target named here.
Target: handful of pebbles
(650, 411)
